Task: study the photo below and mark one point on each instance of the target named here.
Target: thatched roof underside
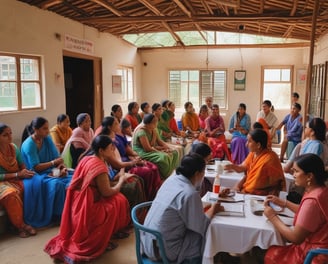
(275, 18)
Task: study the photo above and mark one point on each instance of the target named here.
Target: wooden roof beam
(182, 7)
(288, 32)
(196, 19)
(200, 32)
(151, 7)
(229, 3)
(293, 11)
(206, 6)
(176, 37)
(108, 7)
(50, 3)
(164, 24)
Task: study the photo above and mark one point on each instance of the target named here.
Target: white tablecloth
(227, 179)
(239, 234)
(289, 180)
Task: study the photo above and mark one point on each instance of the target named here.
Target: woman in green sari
(149, 146)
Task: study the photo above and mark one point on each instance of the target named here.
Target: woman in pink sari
(215, 131)
(311, 216)
(79, 142)
(93, 210)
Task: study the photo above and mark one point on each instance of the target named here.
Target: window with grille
(196, 85)
(127, 82)
(20, 82)
(277, 86)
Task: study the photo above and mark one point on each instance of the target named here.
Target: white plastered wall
(28, 30)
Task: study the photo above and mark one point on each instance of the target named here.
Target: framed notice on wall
(240, 80)
(117, 84)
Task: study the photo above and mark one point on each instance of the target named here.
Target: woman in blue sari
(240, 124)
(44, 194)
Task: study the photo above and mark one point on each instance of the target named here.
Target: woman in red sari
(311, 216)
(93, 210)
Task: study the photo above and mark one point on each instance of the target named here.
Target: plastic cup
(56, 172)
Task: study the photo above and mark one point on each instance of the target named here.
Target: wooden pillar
(309, 70)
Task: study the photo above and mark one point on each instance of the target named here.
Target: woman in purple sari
(130, 159)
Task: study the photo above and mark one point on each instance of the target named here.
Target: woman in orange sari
(93, 211)
(12, 170)
(61, 132)
(262, 167)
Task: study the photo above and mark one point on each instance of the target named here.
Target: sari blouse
(264, 174)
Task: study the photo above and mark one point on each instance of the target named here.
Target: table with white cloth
(237, 234)
(230, 179)
(227, 179)
(289, 180)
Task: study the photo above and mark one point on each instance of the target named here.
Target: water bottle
(216, 184)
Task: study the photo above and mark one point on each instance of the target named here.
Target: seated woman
(202, 115)
(215, 131)
(61, 132)
(93, 211)
(133, 115)
(262, 124)
(44, 194)
(240, 124)
(117, 112)
(79, 142)
(177, 213)
(149, 146)
(12, 171)
(145, 169)
(190, 122)
(163, 126)
(135, 188)
(205, 151)
(263, 171)
(172, 121)
(164, 129)
(145, 109)
(315, 135)
(311, 216)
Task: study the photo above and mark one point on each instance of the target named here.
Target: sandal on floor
(120, 235)
(111, 246)
(23, 233)
(30, 230)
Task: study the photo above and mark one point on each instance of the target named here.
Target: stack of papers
(233, 209)
(233, 206)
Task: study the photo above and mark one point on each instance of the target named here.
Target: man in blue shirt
(294, 128)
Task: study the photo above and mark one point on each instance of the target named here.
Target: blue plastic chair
(138, 227)
(314, 252)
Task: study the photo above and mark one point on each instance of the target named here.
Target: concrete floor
(16, 250)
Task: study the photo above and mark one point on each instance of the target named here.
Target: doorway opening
(83, 91)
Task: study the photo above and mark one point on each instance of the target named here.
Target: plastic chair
(138, 227)
(314, 252)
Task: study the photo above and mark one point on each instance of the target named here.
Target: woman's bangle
(52, 163)
(16, 175)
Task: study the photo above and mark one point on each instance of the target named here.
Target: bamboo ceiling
(275, 18)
